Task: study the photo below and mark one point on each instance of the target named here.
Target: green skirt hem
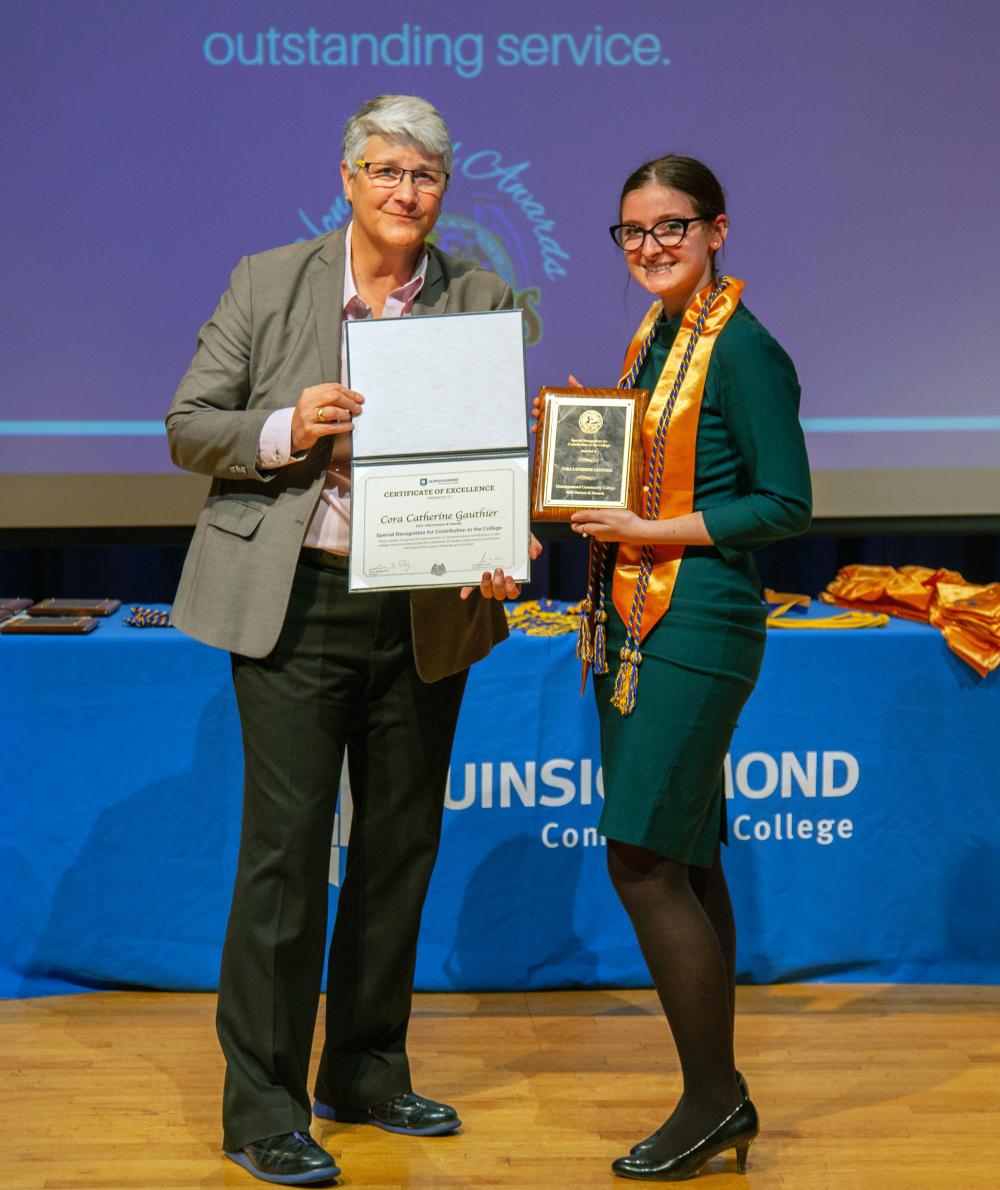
(698, 855)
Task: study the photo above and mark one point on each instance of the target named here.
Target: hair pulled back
(686, 174)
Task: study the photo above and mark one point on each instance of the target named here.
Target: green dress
(663, 764)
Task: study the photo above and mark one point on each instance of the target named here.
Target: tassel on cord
(584, 643)
(627, 680)
(597, 584)
(585, 635)
(601, 641)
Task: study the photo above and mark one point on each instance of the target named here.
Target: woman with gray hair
(407, 119)
(318, 672)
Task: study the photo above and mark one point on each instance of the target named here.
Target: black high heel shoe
(643, 1146)
(737, 1131)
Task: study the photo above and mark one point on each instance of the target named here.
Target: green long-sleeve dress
(663, 764)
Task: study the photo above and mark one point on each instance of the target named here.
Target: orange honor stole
(645, 575)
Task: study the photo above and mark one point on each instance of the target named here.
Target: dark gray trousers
(341, 675)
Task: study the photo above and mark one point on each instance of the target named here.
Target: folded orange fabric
(883, 584)
(967, 614)
(969, 617)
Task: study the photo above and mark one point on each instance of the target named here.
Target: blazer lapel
(433, 295)
(326, 282)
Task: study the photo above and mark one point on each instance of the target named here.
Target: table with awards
(863, 760)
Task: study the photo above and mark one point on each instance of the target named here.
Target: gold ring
(585, 534)
(321, 413)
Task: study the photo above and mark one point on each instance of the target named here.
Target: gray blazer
(276, 331)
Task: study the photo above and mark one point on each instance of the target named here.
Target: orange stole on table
(967, 614)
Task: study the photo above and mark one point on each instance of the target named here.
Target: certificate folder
(440, 475)
(438, 384)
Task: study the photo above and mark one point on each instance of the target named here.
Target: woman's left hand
(499, 585)
(611, 524)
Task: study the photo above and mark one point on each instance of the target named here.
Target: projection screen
(149, 146)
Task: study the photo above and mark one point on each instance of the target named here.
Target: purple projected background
(856, 141)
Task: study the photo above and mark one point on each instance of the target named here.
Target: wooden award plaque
(588, 451)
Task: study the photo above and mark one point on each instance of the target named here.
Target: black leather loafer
(410, 1114)
(643, 1146)
(291, 1159)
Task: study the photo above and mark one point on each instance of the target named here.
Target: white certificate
(438, 383)
(440, 523)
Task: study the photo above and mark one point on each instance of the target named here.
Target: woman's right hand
(322, 410)
(536, 404)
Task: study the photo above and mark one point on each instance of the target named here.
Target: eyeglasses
(388, 177)
(668, 233)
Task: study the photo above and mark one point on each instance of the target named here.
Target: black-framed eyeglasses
(387, 177)
(668, 233)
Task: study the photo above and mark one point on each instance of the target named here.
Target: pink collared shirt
(331, 523)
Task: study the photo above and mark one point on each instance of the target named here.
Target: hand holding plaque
(588, 451)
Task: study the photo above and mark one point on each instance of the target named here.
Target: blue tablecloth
(863, 812)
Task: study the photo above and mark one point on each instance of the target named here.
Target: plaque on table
(588, 451)
(75, 607)
(49, 625)
(13, 606)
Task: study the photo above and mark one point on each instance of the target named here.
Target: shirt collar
(405, 294)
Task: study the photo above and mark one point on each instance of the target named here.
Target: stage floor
(858, 1086)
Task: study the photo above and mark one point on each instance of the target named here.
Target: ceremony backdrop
(865, 839)
(148, 146)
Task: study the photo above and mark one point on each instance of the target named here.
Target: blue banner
(860, 794)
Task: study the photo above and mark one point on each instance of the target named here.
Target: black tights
(710, 888)
(683, 920)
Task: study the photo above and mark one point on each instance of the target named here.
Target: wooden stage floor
(858, 1087)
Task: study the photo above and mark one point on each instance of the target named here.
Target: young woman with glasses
(673, 627)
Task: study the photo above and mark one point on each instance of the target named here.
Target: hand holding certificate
(440, 466)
